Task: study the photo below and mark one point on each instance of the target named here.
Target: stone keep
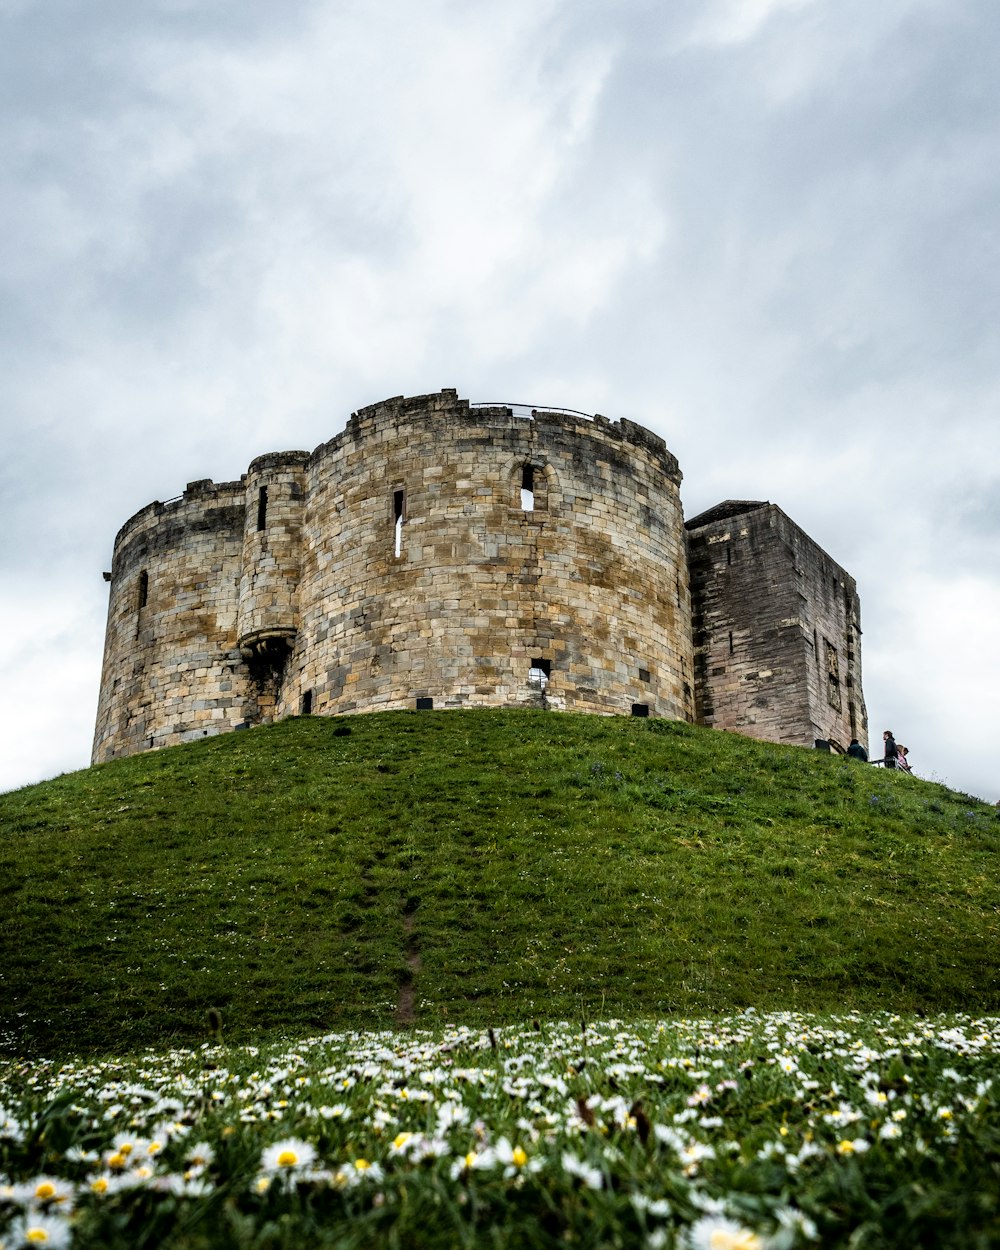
(431, 551)
(440, 554)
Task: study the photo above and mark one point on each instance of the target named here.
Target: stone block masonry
(777, 630)
(438, 552)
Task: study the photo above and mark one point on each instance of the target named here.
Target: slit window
(262, 508)
(398, 498)
(528, 488)
(143, 598)
(832, 676)
(539, 673)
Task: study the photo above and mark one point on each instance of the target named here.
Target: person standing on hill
(891, 753)
(857, 752)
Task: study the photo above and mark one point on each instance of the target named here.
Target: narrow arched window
(528, 488)
(398, 501)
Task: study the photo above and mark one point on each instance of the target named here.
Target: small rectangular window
(644, 674)
(425, 705)
(539, 673)
(307, 703)
(262, 508)
(640, 709)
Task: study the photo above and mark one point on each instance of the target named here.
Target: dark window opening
(640, 709)
(262, 508)
(832, 676)
(528, 488)
(729, 555)
(307, 703)
(730, 642)
(425, 705)
(644, 674)
(143, 588)
(398, 499)
(540, 672)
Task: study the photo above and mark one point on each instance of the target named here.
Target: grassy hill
(482, 867)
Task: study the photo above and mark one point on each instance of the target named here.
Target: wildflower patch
(749, 1131)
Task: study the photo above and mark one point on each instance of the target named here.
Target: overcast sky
(766, 229)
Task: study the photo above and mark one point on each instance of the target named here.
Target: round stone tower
(432, 554)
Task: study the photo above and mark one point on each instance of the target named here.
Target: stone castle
(441, 554)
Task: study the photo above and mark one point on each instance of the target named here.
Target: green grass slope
(482, 866)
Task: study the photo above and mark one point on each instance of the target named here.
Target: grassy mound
(483, 866)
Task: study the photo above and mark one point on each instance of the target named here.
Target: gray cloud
(765, 228)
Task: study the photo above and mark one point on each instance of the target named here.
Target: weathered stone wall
(398, 562)
(777, 629)
(592, 580)
(172, 667)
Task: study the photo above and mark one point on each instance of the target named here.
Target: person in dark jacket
(889, 759)
(857, 752)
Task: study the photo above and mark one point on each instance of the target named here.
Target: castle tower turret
(267, 619)
(172, 668)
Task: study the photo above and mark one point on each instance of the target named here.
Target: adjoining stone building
(437, 553)
(776, 629)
